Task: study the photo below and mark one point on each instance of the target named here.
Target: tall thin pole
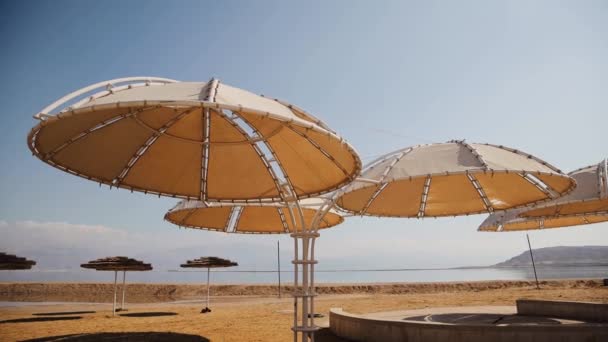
(533, 265)
(124, 277)
(114, 302)
(279, 265)
(208, 287)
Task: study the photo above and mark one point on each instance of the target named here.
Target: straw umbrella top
(262, 218)
(193, 140)
(453, 178)
(209, 262)
(586, 204)
(118, 263)
(13, 262)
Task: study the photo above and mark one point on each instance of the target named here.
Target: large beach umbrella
(117, 264)
(450, 179)
(269, 218)
(208, 263)
(248, 218)
(13, 262)
(193, 140)
(197, 140)
(586, 204)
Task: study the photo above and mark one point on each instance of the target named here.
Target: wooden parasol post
(124, 277)
(114, 302)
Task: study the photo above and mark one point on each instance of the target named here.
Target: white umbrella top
(453, 178)
(586, 204)
(193, 140)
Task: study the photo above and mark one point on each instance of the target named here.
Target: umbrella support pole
(206, 309)
(124, 278)
(114, 301)
(304, 292)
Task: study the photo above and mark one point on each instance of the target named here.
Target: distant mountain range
(560, 256)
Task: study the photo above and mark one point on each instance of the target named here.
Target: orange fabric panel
(54, 134)
(189, 126)
(260, 219)
(557, 183)
(524, 225)
(237, 172)
(309, 170)
(570, 208)
(223, 131)
(507, 190)
(452, 195)
(266, 126)
(105, 152)
(212, 218)
(169, 165)
(329, 220)
(334, 147)
(356, 200)
(400, 198)
(158, 117)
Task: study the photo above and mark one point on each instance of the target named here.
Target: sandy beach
(243, 312)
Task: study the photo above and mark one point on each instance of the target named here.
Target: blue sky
(527, 74)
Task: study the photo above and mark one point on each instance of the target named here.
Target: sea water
(238, 276)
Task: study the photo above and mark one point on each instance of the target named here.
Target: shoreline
(160, 292)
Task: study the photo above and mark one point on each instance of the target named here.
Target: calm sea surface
(321, 276)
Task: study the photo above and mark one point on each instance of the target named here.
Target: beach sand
(254, 317)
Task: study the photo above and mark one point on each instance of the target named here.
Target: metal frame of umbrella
(208, 263)
(266, 218)
(117, 264)
(586, 204)
(244, 131)
(11, 262)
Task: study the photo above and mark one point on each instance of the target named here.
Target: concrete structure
(454, 327)
(592, 312)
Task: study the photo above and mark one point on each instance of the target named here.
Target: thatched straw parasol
(13, 262)
(193, 140)
(116, 264)
(263, 218)
(587, 204)
(208, 263)
(450, 179)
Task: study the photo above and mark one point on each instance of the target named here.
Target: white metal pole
(124, 277)
(114, 302)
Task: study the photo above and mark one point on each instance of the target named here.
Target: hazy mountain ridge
(560, 256)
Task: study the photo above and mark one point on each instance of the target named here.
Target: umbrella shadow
(125, 336)
(325, 335)
(63, 313)
(148, 314)
(40, 319)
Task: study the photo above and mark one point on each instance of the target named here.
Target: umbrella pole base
(205, 310)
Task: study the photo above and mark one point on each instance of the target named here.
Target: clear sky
(532, 75)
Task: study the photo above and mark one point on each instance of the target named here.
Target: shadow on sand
(62, 313)
(40, 319)
(325, 335)
(126, 336)
(148, 314)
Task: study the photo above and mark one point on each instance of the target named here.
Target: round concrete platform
(471, 324)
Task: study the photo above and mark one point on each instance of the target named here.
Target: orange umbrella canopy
(13, 262)
(261, 218)
(586, 204)
(194, 140)
(453, 178)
